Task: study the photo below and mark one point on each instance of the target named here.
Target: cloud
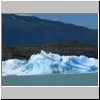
(21, 14)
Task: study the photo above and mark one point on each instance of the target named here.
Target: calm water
(89, 79)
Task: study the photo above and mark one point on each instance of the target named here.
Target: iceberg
(49, 63)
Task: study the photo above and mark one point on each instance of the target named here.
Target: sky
(88, 20)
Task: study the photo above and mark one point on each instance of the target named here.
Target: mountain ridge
(33, 30)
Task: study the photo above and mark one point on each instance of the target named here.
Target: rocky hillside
(25, 51)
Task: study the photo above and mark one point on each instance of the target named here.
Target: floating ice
(49, 63)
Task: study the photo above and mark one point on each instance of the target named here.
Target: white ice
(49, 63)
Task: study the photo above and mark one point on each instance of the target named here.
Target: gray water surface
(87, 79)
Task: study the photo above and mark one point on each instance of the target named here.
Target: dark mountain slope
(26, 30)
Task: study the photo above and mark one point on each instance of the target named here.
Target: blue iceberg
(49, 63)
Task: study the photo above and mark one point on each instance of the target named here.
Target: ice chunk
(49, 63)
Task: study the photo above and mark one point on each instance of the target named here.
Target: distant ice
(49, 63)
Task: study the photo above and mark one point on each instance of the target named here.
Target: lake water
(88, 79)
